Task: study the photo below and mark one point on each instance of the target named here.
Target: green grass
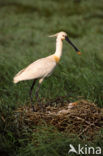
(24, 29)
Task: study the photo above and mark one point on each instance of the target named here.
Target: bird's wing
(40, 68)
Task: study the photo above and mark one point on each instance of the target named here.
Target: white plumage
(38, 69)
(43, 67)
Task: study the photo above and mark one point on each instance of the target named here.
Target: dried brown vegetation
(83, 118)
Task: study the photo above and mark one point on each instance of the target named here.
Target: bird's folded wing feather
(40, 68)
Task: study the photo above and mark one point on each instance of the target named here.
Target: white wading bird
(43, 67)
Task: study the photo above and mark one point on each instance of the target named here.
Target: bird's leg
(30, 93)
(37, 90)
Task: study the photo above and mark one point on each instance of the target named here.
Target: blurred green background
(24, 30)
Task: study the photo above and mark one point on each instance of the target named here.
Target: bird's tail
(15, 79)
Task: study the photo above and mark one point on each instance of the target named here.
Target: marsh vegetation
(24, 29)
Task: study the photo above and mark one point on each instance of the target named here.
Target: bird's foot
(34, 109)
(41, 108)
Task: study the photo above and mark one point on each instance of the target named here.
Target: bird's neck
(59, 46)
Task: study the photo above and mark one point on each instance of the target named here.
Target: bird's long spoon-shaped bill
(76, 49)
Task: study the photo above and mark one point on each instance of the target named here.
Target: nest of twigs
(81, 117)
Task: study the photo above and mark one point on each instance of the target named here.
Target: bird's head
(63, 36)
